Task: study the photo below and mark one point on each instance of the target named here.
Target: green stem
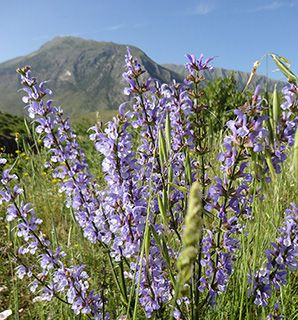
(119, 287)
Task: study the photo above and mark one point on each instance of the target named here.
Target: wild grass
(60, 227)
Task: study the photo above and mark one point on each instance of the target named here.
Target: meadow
(183, 206)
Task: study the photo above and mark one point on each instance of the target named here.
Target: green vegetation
(61, 228)
(222, 97)
(10, 125)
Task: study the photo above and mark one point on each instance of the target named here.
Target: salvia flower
(51, 276)
(282, 258)
(195, 65)
(67, 159)
(230, 196)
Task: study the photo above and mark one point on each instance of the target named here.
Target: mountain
(85, 75)
(240, 77)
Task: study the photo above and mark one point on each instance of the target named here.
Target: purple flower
(281, 258)
(150, 156)
(195, 65)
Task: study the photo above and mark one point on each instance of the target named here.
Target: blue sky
(236, 32)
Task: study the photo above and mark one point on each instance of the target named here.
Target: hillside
(240, 77)
(85, 75)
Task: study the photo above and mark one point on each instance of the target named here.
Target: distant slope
(240, 77)
(85, 75)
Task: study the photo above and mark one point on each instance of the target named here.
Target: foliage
(222, 97)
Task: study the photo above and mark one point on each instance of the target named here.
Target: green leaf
(168, 133)
(162, 210)
(276, 106)
(180, 188)
(270, 166)
(285, 60)
(155, 236)
(147, 242)
(165, 251)
(162, 147)
(284, 68)
(270, 127)
(187, 168)
(170, 173)
(165, 199)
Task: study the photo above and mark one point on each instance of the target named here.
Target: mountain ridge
(86, 75)
(241, 77)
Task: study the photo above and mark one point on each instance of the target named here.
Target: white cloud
(274, 5)
(271, 6)
(123, 26)
(115, 27)
(204, 7)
